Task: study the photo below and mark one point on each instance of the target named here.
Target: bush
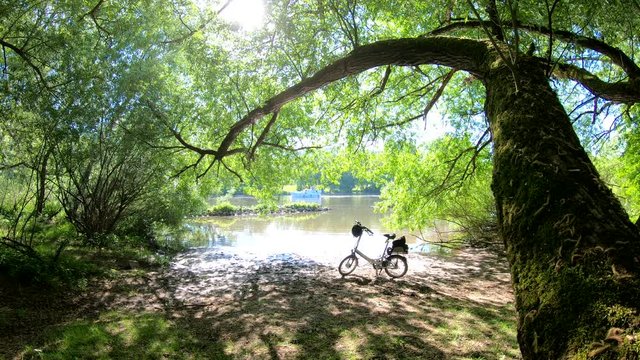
(224, 209)
(264, 208)
(303, 206)
(227, 209)
(67, 271)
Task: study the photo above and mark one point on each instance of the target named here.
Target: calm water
(324, 236)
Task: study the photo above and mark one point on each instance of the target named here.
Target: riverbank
(223, 304)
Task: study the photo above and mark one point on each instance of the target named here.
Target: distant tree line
(348, 183)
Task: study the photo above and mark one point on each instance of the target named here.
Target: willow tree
(71, 134)
(574, 254)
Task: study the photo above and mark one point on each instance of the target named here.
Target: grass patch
(119, 335)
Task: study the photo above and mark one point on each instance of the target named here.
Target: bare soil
(287, 307)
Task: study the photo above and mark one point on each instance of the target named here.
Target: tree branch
(383, 83)
(471, 164)
(292, 149)
(191, 32)
(347, 22)
(620, 92)
(231, 171)
(190, 166)
(193, 148)
(93, 14)
(400, 122)
(513, 8)
(463, 54)
(20, 247)
(186, 145)
(263, 135)
(616, 55)
(438, 94)
(13, 166)
(24, 56)
(550, 10)
(485, 26)
(494, 19)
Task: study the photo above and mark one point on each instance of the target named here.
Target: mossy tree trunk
(574, 253)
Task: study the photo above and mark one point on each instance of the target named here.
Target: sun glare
(248, 14)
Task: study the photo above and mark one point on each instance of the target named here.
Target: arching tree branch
(463, 54)
(185, 144)
(616, 55)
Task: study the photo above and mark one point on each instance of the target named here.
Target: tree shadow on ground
(221, 305)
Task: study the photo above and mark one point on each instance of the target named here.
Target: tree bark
(573, 252)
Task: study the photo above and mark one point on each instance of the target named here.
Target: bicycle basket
(356, 230)
(399, 246)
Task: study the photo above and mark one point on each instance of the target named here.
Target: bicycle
(393, 264)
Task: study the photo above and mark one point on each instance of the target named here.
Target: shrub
(303, 206)
(223, 209)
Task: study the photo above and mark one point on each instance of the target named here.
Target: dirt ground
(287, 307)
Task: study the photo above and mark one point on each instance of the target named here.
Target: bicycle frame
(375, 262)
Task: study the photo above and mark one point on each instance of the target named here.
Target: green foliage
(447, 180)
(263, 208)
(628, 171)
(303, 206)
(20, 266)
(223, 209)
(617, 162)
(66, 271)
(227, 209)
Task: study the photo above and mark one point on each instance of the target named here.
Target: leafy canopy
(178, 78)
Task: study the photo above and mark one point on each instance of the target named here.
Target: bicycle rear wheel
(396, 266)
(347, 265)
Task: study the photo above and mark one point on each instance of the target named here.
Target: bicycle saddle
(390, 236)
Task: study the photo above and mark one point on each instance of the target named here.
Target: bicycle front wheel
(347, 265)
(396, 266)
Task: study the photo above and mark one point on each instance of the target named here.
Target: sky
(248, 14)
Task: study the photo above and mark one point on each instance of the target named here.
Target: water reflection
(321, 236)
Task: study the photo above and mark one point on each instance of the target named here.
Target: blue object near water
(308, 195)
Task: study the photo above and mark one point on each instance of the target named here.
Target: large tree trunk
(574, 253)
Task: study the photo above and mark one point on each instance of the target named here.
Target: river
(323, 236)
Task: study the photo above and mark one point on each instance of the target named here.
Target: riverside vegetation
(228, 209)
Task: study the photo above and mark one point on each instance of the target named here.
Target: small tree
(99, 182)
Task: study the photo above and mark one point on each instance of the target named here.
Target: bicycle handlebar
(366, 229)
